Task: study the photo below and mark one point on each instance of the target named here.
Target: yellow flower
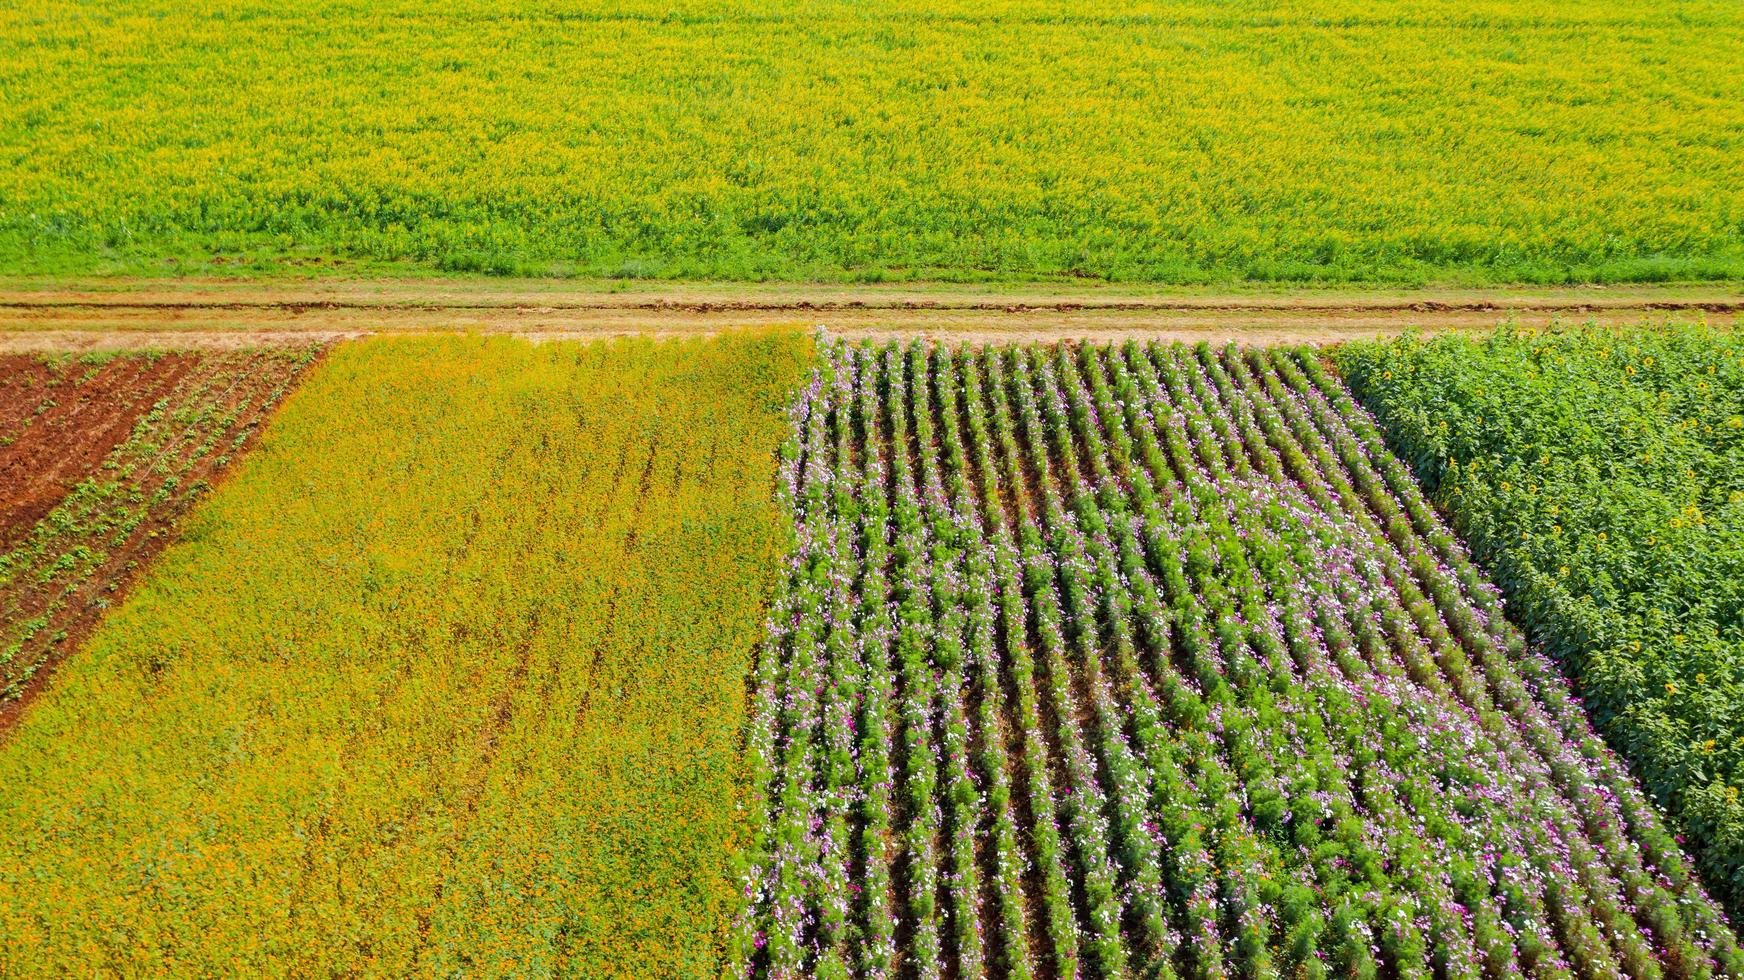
(1671, 688)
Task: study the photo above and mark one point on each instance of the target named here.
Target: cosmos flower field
(1152, 661)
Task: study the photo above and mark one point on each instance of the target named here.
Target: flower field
(1176, 141)
(1600, 476)
(1152, 661)
(447, 678)
(719, 657)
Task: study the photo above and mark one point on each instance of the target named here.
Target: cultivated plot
(99, 458)
(448, 677)
(1152, 661)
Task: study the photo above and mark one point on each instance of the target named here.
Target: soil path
(123, 313)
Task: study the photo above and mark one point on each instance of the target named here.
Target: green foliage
(1152, 661)
(1600, 476)
(447, 679)
(1174, 141)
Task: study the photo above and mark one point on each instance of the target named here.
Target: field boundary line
(60, 315)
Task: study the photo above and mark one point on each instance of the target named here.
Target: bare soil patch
(104, 461)
(131, 314)
(59, 421)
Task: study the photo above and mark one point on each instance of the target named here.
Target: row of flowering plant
(1173, 671)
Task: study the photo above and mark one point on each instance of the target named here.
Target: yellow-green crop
(1156, 140)
(448, 678)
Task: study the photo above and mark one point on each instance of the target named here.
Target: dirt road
(121, 313)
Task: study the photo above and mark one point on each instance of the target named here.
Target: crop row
(117, 452)
(1152, 661)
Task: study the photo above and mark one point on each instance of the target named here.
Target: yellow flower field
(449, 677)
(1159, 140)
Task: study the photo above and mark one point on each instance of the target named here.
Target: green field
(1600, 475)
(448, 678)
(761, 656)
(1545, 141)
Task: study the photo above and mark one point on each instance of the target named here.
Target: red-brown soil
(59, 421)
(85, 449)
